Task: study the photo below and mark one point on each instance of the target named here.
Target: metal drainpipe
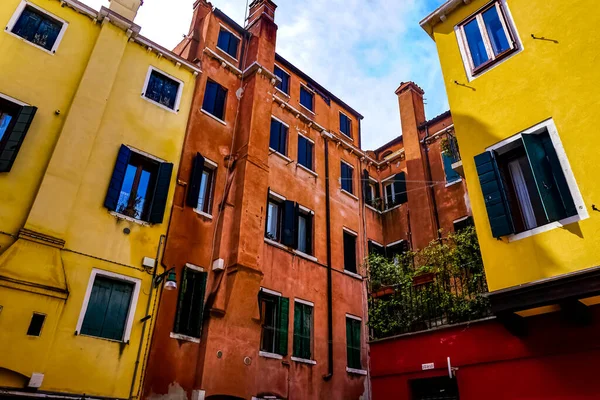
(329, 277)
(430, 183)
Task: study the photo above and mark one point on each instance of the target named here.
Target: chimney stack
(260, 8)
(126, 8)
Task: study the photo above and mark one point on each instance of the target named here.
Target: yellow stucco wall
(545, 80)
(57, 187)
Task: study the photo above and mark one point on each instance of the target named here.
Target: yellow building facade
(92, 122)
(522, 91)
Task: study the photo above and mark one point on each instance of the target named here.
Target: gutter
(329, 272)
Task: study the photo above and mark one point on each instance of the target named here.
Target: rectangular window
(139, 186)
(37, 27)
(284, 85)
(345, 125)
(347, 177)
(395, 191)
(15, 121)
(486, 37)
(279, 135)
(451, 175)
(372, 194)
(36, 324)
(305, 231)
(353, 326)
(376, 248)
(274, 214)
(303, 322)
(305, 152)
(201, 184)
(350, 252)
(228, 42)
(162, 89)
(215, 97)
(190, 308)
(463, 223)
(274, 314)
(307, 98)
(524, 183)
(108, 308)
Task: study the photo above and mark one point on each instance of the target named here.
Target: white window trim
(269, 291)
(348, 164)
(356, 371)
(267, 354)
(353, 274)
(200, 212)
(349, 194)
(213, 117)
(395, 243)
(353, 317)
(234, 34)
(350, 231)
(310, 171)
(194, 267)
(212, 166)
(179, 90)
(276, 196)
(305, 302)
(306, 137)
(17, 14)
(279, 120)
(464, 48)
(304, 255)
(230, 31)
(376, 243)
(389, 178)
(385, 198)
(308, 109)
(303, 360)
(187, 338)
(461, 219)
(130, 219)
(349, 119)
(391, 209)
(372, 208)
(13, 100)
(452, 183)
(275, 152)
(582, 212)
(276, 244)
(132, 306)
(306, 210)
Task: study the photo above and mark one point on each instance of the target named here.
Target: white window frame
(212, 166)
(385, 184)
(17, 14)
(289, 78)
(353, 187)
(349, 119)
(179, 90)
(582, 212)
(132, 306)
(509, 28)
(221, 26)
(313, 99)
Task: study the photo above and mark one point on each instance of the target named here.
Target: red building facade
(275, 211)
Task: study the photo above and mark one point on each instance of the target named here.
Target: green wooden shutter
(353, 342)
(117, 311)
(494, 195)
(400, 195)
(282, 326)
(190, 308)
(559, 177)
(297, 351)
(195, 181)
(14, 139)
(451, 174)
(306, 331)
(349, 338)
(197, 314)
(161, 192)
(181, 303)
(116, 181)
(97, 307)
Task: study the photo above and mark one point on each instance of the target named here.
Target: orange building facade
(275, 211)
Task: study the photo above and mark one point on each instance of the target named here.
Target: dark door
(441, 388)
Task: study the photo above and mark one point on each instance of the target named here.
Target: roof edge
(439, 15)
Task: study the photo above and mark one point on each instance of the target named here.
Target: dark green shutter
(161, 192)
(400, 195)
(353, 342)
(349, 338)
(550, 182)
(306, 331)
(288, 234)
(97, 307)
(309, 233)
(297, 330)
(451, 174)
(190, 308)
(282, 326)
(15, 137)
(195, 181)
(494, 195)
(118, 176)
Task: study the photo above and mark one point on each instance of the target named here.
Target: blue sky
(360, 50)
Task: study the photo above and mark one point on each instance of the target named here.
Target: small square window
(228, 42)
(36, 324)
(284, 85)
(347, 177)
(162, 89)
(345, 125)
(279, 135)
(486, 37)
(307, 98)
(305, 152)
(215, 97)
(37, 27)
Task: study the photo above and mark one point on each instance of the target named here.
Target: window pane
(4, 121)
(126, 188)
(349, 252)
(344, 125)
(389, 195)
(203, 198)
(273, 221)
(210, 94)
(37, 28)
(306, 98)
(302, 234)
(495, 31)
(142, 190)
(476, 45)
(268, 310)
(285, 79)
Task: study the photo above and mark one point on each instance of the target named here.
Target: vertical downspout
(329, 277)
(430, 183)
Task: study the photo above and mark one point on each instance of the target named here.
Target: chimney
(126, 8)
(261, 25)
(260, 8)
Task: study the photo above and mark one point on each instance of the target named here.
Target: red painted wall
(556, 360)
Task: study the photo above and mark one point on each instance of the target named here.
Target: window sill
(307, 256)
(307, 109)
(226, 54)
(544, 228)
(346, 136)
(276, 244)
(101, 338)
(282, 92)
(266, 354)
(205, 215)
(130, 219)
(286, 158)
(51, 52)
(453, 182)
(213, 117)
(160, 105)
(353, 275)
(356, 371)
(310, 171)
(304, 361)
(347, 193)
(390, 209)
(373, 209)
(179, 336)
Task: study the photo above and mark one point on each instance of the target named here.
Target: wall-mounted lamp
(170, 282)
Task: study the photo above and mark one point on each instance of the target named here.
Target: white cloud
(360, 50)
